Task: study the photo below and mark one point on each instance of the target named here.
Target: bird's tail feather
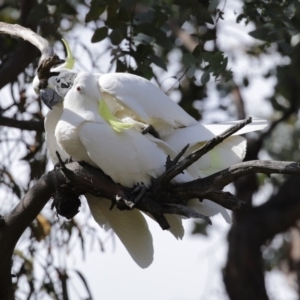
(130, 226)
(209, 208)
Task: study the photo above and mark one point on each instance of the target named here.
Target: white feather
(131, 228)
(132, 95)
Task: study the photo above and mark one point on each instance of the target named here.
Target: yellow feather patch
(115, 123)
(70, 61)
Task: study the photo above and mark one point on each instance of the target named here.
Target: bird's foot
(120, 199)
(135, 196)
(140, 190)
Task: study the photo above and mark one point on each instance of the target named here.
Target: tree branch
(27, 34)
(21, 124)
(13, 66)
(254, 226)
(13, 225)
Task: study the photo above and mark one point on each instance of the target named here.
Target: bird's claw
(124, 200)
(140, 190)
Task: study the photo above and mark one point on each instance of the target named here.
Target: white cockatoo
(117, 107)
(130, 226)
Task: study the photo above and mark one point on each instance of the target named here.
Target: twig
(211, 186)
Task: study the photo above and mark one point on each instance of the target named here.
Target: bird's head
(58, 82)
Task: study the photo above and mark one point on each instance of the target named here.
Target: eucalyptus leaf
(100, 34)
(205, 77)
(158, 61)
(39, 12)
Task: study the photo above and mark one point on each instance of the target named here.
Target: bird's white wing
(230, 152)
(128, 94)
(218, 208)
(122, 156)
(130, 226)
(127, 157)
(219, 128)
(204, 132)
(209, 208)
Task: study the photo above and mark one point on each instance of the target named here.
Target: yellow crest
(115, 123)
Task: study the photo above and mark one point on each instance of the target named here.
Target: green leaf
(213, 5)
(127, 4)
(245, 81)
(96, 10)
(112, 20)
(188, 59)
(144, 50)
(200, 228)
(100, 34)
(266, 33)
(124, 15)
(240, 18)
(191, 71)
(68, 9)
(39, 12)
(55, 2)
(121, 67)
(205, 77)
(202, 14)
(118, 34)
(158, 61)
(162, 39)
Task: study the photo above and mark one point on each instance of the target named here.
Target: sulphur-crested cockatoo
(130, 226)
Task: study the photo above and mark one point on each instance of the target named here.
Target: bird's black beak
(50, 97)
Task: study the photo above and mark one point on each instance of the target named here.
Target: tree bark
(253, 227)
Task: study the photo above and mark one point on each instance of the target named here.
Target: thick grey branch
(30, 36)
(14, 225)
(211, 187)
(221, 179)
(254, 226)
